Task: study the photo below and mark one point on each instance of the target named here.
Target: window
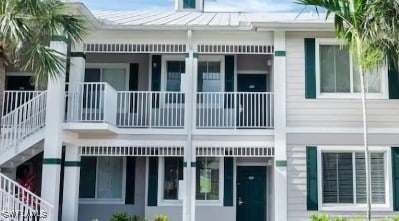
(337, 73)
(207, 178)
(173, 76)
(115, 76)
(209, 76)
(101, 178)
(173, 173)
(344, 178)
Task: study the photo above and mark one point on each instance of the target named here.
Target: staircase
(19, 204)
(21, 137)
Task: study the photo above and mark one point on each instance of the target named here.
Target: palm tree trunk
(2, 85)
(365, 135)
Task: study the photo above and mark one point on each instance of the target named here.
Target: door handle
(240, 202)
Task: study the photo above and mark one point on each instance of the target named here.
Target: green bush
(121, 216)
(161, 218)
(124, 216)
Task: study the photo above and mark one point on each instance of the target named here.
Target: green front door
(251, 193)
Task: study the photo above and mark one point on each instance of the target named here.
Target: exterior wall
(296, 167)
(327, 113)
(215, 213)
(141, 59)
(103, 212)
(253, 63)
(173, 212)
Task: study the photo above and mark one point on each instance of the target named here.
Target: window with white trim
(209, 76)
(344, 178)
(337, 73)
(208, 178)
(172, 174)
(101, 178)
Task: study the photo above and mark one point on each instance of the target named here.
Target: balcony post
(188, 151)
(280, 165)
(53, 131)
(76, 77)
(70, 202)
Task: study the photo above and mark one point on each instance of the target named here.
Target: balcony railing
(92, 102)
(13, 99)
(235, 110)
(99, 102)
(158, 109)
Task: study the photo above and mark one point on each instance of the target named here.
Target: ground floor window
(208, 178)
(173, 173)
(344, 178)
(101, 178)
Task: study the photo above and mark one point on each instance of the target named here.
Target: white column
(53, 133)
(188, 152)
(280, 144)
(77, 70)
(71, 183)
(192, 198)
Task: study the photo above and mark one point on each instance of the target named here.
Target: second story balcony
(101, 103)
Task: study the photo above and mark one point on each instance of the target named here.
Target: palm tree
(368, 27)
(26, 28)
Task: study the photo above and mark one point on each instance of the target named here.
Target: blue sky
(210, 5)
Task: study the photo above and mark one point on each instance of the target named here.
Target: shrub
(161, 218)
(121, 216)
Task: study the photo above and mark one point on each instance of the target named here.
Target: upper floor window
(337, 74)
(209, 76)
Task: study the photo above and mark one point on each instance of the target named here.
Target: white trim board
(340, 130)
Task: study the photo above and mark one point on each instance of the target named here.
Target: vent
(135, 48)
(235, 151)
(130, 151)
(235, 49)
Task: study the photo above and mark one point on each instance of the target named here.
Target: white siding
(303, 112)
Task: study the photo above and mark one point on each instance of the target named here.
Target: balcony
(235, 110)
(101, 103)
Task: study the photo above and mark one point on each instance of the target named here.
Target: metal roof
(160, 19)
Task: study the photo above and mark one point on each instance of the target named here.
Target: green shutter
(229, 73)
(156, 78)
(310, 68)
(130, 180)
(87, 187)
(156, 73)
(395, 177)
(152, 181)
(393, 82)
(311, 178)
(189, 4)
(228, 181)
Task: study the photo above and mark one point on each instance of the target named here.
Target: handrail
(16, 197)
(23, 121)
(12, 99)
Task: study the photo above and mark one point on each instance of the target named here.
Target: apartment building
(200, 116)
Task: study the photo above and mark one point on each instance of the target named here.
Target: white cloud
(249, 5)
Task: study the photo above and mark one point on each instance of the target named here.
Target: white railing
(92, 102)
(20, 204)
(158, 109)
(23, 121)
(235, 110)
(13, 99)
